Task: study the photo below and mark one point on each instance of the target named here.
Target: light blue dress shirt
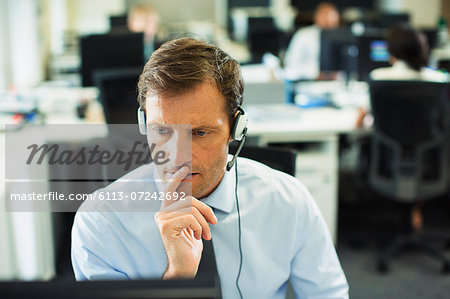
(284, 237)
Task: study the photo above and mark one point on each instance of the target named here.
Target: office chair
(278, 158)
(409, 155)
(118, 93)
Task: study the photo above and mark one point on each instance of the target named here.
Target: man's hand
(182, 225)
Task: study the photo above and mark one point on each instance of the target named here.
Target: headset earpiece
(240, 125)
(141, 121)
(238, 133)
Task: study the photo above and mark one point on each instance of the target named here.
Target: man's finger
(169, 215)
(179, 204)
(187, 221)
(205, 210)
(191, 201)
(206, 232)
(173, 183)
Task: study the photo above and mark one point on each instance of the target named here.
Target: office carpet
(412, 275)
(367, 222)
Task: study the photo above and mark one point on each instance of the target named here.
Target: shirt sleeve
(316, 271)
(89, 253)
(300, 61)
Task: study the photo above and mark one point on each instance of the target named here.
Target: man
(284, 236)
(144, 18)
(303, 54)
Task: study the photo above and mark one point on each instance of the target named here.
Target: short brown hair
(181, 64)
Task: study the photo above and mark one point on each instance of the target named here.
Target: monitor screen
(372, 53)
(248, 3)
(110, 51)
(379, 51)
(431, 35)
(118, 21)
(386, 20)
(310, 5)
(337, 50)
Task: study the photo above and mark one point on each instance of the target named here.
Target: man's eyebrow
(206, 127)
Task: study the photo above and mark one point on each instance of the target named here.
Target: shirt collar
(399, 64)
(222, 198)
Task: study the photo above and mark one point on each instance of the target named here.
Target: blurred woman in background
(409, 51)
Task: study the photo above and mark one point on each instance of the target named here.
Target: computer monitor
(248, 3)
(110, 51)
(338, 50)
(310, 5)
(263, 36)
(444, 64)
(431, 34)
(200, 287)
(373, 53)
(118, 21)
(386, 20)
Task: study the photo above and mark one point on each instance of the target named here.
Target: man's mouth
(190, 176)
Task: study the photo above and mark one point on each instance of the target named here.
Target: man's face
(147, 23)
(204, 110)
(327, 18)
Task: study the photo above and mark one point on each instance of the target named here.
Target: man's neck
(212, 189)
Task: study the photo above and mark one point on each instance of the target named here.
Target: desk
(318, 162)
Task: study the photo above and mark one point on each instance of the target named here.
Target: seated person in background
(302, 59)
(408, 49)
(144, 18)
(284, 236)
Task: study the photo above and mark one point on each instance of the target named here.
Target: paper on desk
(273, 113)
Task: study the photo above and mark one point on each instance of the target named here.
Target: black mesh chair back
(277, 158)
(118, 93)
(409, 153)
(410, 112)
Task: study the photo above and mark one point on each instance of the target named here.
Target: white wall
(174, 11)
(5, 66)
(58, 25)
(24, 43)
(91, 16)
(424, 13)
(7, 256)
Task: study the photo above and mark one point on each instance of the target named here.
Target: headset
(141, 121)
(238, 133)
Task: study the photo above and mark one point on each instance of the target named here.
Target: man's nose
(181, 149)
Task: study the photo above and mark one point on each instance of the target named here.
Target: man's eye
(200, 133)
(162, 131)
